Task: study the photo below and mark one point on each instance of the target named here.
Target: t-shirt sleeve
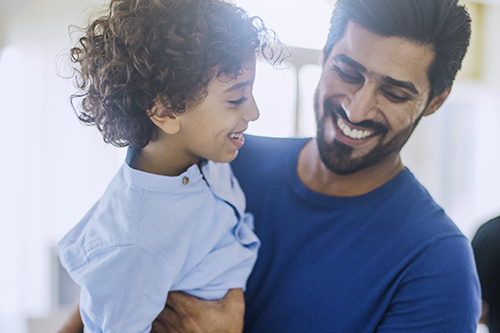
(123, 290)
(439, 291)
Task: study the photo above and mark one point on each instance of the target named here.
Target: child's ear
(162, 117)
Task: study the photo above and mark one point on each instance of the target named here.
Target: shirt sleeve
(439, 292)
(124, 288)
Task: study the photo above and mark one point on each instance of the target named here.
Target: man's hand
(485, 312)
(185, 313)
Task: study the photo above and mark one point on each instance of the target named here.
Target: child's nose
(252, 111)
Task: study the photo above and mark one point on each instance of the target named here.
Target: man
(487, 254)
(351, 242)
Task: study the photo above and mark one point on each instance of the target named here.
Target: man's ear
(164, 119)
(436, 102)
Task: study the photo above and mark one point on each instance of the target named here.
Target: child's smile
(237, 139)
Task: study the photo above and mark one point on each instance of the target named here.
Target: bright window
(304, 30)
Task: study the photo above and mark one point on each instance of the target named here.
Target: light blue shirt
(151, 234)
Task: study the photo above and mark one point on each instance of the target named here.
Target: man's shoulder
(261, 155)
(412, 208)
(262, 144)
(259, 148)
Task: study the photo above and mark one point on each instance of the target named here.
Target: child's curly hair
(166, 49)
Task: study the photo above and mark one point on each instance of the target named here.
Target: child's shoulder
(112, 222)
(105, 227)
(146, 212)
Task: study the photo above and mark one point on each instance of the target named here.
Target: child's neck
(160, 159)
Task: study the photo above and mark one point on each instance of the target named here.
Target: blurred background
(53, 168)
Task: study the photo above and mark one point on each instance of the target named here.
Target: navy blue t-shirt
(387, 261)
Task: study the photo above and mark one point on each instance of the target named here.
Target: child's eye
(348, 77)
(239, 101)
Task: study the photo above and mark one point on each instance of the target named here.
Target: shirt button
(185, 180)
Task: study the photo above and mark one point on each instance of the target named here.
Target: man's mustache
(338, 111)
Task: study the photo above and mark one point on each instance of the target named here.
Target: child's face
(214, 129)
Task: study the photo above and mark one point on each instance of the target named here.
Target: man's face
(371, 95)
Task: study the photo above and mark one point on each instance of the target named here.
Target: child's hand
(186, 313)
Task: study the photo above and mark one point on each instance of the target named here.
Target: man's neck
(315, 176)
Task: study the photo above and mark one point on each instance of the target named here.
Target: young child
(171, 79)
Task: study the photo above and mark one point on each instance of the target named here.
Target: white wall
(52, 167)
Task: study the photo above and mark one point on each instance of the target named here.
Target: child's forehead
(227, 83)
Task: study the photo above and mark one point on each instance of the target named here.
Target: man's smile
(352, 133)
(363, 130)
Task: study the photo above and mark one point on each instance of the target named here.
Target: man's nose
(361, 104)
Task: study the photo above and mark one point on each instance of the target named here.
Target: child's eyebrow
(238, 86)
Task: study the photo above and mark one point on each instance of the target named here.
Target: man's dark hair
(442, 24)
(143, 50)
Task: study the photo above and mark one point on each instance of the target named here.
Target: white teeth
(236, 136)
(352, 133)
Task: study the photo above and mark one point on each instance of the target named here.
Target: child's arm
(123, 289)
(185, 313)
(74, 323)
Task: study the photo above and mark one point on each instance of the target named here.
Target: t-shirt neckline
(305, 193)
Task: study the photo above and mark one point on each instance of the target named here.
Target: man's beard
(336, 156)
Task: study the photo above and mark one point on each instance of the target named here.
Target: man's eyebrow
(347, 60)
(387, 79)
(238, 86)
(402, 84)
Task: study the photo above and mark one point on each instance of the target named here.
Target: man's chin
(337, 157)
(343, 168)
